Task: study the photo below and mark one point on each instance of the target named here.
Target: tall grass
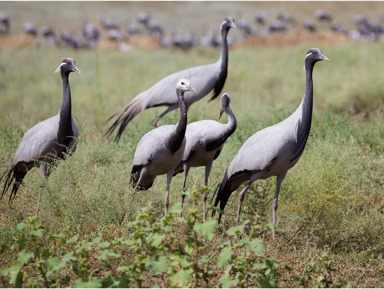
(332, 200)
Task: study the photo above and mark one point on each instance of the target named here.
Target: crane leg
(45, 172)
(166, 200)
(205, 196)
(274, 204)
(170, 108)
(186, 170)
(241, 199)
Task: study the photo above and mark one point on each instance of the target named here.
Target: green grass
(331, 202)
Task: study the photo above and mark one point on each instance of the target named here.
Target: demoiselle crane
(160, 150)
(273, 150)
(204, 141)
(205, 78)
(47, 141)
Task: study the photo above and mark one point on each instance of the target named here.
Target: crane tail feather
(127, 113)
(12, 177)
(223, 191)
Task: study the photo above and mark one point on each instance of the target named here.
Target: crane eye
(313, 53)
(226, 21)
(182, 83)
(67, 62)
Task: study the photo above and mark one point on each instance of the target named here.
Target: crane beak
(326, 58)
(75, 69)
(221, 113)
(191, 89)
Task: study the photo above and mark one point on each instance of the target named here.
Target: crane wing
(38, 141)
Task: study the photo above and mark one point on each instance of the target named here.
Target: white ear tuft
(58, 69)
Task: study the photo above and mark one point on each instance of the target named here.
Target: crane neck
(65, 122)
(308, 93)
(232, 121)
(228, 130)
(305, 113)
(176, 139)
(224, 49)
(222, 63)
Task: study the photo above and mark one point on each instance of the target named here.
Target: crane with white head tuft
(205, 78)
(47, 141)
(160, 150)
(273, 150)
(204, 141)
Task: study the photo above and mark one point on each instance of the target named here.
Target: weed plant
(330, 219)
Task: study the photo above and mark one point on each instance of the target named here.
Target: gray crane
(51, 139)
(160, 150)
(205, 78)
(204, 141)
(273, 150)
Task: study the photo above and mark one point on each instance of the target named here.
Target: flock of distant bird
(91, 35)
(172, 149)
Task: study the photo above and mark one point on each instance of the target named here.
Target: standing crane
(160, 150)
(51, 139)
(204, 141)
(273, 150)
(205, 78)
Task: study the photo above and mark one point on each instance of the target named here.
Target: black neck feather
(65, 122)
(177, 137)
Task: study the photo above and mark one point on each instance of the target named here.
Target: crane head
(224, 103)
(68, 65)
(184, 85)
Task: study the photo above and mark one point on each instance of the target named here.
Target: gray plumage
(204, 141)
(205, 78)
(47, 141)
(273, 150)
(160, 150)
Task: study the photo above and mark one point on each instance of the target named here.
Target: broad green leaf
(271, 226)
(38, 233)
(104, 254)
(24, 258)
(157, 239)
(238, 229)
(95, 282)
(227, 282)
(256, 246)
(59, 236)
(96, 241)
(53, 265)
(72, 240)
(159, 264)
(189, 245)
(178, 260)
(224, 257)
(206, 229)
(176, 209)
(21, 226)
(4, 271)
(124, 268)
(15, 275)
(68, 257)
(181, 278)
(105, 245)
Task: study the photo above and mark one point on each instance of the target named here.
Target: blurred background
(128, 25)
